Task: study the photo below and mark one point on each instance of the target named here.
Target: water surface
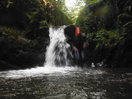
(66, 83)
(52, 82)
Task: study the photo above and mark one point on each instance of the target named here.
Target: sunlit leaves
(102, 11)
(89, 2)
(73, 11)
(104, 37)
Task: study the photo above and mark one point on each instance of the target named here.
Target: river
(67, 83)
(57, 79)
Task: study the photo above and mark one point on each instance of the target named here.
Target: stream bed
(66, 83)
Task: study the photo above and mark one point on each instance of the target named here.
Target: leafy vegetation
(108, 25)
(24, 28)
(90, 2)
(105, 38)
(10, 32)
(24, 31)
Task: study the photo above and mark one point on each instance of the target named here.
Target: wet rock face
(15, 54)
(121, 55)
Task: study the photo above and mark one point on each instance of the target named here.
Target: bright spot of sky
(73, 4)
(74, 7)
(70, 3)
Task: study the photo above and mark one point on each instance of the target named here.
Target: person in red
(78, 42)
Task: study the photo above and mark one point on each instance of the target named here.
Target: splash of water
(56, 54)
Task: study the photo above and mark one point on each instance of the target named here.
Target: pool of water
(66, 83)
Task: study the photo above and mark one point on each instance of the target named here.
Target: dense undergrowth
(24, 31)
(108, 25)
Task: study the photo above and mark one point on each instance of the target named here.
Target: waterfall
(57, 58)
(56, 54)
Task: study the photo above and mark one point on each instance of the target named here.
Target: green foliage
(128, 27)
(60, 4)
(58, 18)
(18, 14)
(6, 3)
(24, 13)
(33, 43)
(95, 19)
(74, 11)
(57, 14)
(90, 2)
(125, 23)
(124, 18)
(10, 32)
(104, 38)
(99, 22)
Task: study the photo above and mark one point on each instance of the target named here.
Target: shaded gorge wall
(24, 32)
(107, 24)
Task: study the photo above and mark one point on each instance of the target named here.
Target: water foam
(57, 50)
(57, 60)
(38, 71)
(56, 55)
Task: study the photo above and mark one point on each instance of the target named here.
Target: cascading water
(53, 82)
(57, 58)
(56, 54)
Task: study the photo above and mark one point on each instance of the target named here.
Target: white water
(57, 61)
(57, 50)
(56, 58)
